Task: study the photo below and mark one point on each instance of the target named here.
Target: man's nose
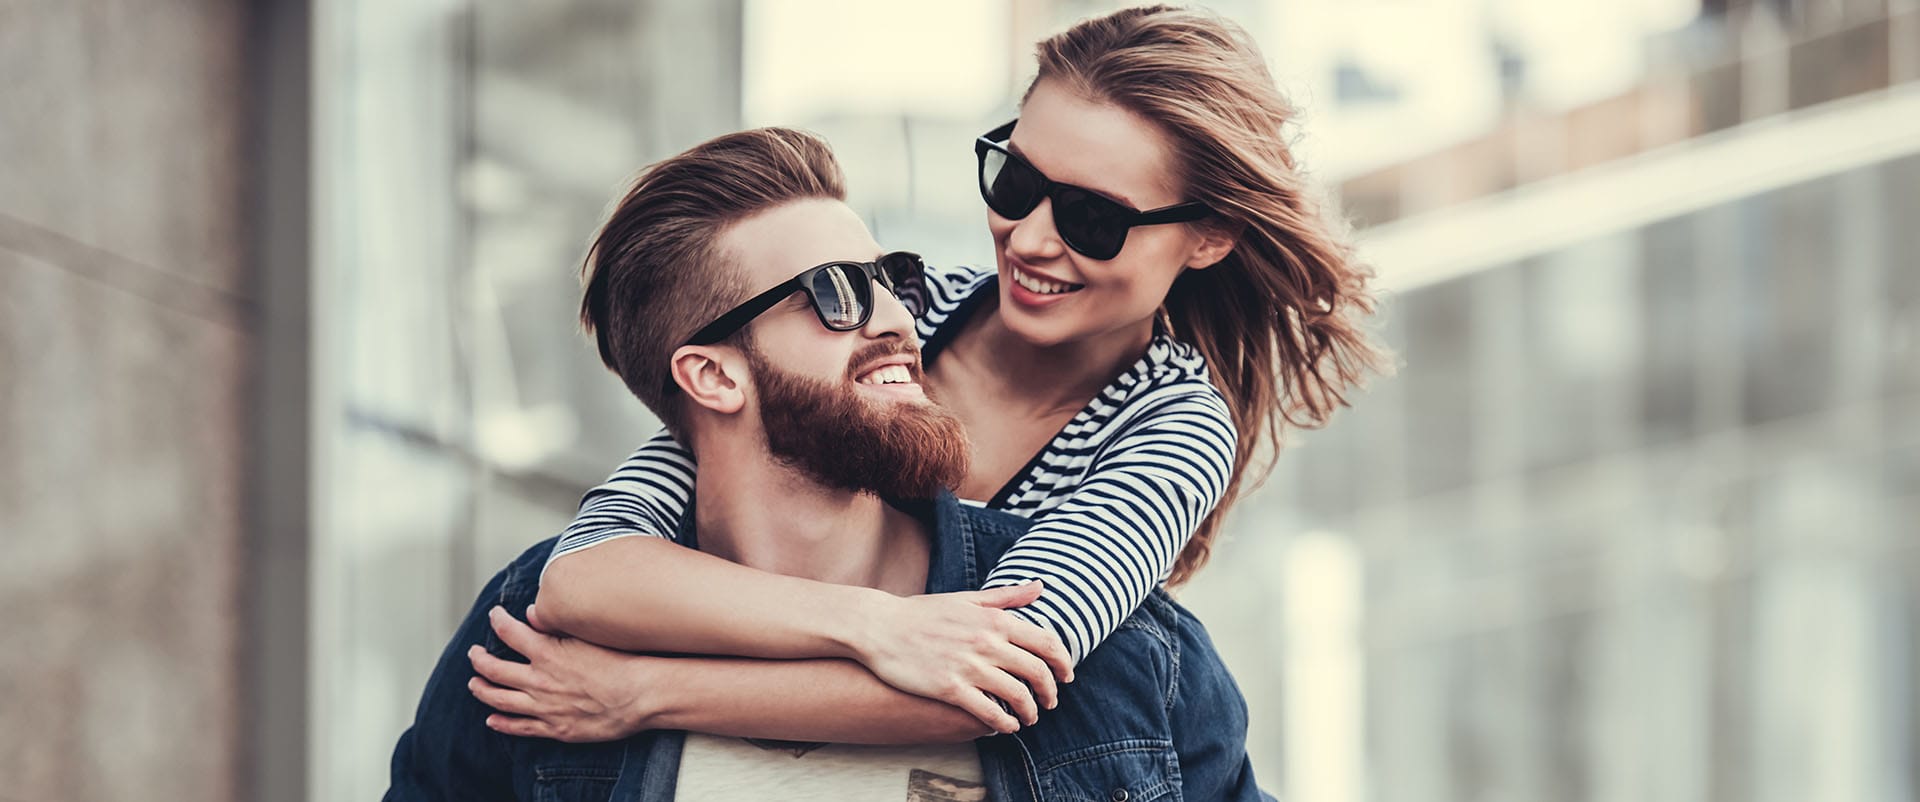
(890, 317)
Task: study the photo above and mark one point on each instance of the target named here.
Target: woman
(1117, 371)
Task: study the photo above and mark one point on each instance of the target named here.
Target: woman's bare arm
(575, 691)
(650, 595)
(617, 578)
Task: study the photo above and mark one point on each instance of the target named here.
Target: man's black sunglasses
(841, 294)
(1090, 223)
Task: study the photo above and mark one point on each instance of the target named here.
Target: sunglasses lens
(843, 295)
(901, 271)
(1010, 187)
(904, 275)
(1090, 224)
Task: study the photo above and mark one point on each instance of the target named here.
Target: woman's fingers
(1042, 644)
(983, 707)
(1034, 672)
(1025, 634)
(505, 700)
(1005, 597)
(1009, 690)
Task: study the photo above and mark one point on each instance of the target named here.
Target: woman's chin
(1037, 331)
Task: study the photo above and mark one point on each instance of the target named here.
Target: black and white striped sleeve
(1115, 537)
(946, 288)
(646, 496)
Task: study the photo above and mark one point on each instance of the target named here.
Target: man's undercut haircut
(655, 274)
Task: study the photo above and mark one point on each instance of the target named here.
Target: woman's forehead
(1096, 145)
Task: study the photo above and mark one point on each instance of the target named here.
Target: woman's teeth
(1035, 284)
(891, 374)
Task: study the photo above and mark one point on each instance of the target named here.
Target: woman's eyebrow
(1112, 196)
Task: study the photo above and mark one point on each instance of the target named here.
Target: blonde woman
(1166, 298)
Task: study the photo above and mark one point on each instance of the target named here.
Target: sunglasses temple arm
(1183, 213)
(732, 321)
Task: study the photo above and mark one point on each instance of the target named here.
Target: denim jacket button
(1119, 795)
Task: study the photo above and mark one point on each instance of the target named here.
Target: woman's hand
(570, 690)
(965, 649)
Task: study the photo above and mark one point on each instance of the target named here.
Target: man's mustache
(864, 358)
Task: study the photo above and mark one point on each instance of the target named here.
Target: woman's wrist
(852, 630)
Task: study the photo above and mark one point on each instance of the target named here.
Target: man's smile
(895, 376)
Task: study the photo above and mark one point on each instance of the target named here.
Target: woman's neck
(1049, 377)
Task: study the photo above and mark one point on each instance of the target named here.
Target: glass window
(1670, 309)
(1379, 420)
(1820, 664)
(1328, 486)
(1899, 209)
(569, 101)
(1786, 301)
(1439, 386)
(1581, 347)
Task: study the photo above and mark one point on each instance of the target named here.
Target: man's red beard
(842, 440)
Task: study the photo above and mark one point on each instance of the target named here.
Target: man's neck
(754, 511)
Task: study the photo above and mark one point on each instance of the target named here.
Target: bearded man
(738, 296)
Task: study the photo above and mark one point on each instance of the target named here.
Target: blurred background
(289, 365)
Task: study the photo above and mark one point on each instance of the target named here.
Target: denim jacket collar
(953, 563)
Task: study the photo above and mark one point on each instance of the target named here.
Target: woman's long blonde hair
(1279, 319)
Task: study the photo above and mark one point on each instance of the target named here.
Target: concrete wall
(126, 334)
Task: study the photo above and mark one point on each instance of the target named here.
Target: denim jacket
(1151, 714)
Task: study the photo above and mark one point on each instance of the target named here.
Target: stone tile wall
(125, 340)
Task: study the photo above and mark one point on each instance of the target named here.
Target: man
(754, 313)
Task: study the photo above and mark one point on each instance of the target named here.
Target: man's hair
(655, 275)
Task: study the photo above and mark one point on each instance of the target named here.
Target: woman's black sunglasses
(1090, 223)
(841, 293)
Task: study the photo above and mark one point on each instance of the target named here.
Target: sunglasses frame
(1000, 139)
(738, 317)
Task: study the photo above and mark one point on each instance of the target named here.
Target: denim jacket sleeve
(1209, 716)
(449, 753)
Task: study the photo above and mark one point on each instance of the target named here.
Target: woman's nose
(1033, 237)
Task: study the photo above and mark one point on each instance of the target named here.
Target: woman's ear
(1216, 241)
(712, 377)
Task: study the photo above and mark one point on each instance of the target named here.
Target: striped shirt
(1115, 495)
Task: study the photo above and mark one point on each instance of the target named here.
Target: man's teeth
(891, 374)
(1042, 286)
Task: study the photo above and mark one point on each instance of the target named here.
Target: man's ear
(712, 377)
(1216, 241)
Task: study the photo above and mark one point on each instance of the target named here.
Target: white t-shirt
(717, 769)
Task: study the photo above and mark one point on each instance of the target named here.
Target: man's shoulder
(992, 521)
(994, 531)
(967, 540)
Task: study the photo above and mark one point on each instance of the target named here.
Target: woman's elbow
(557, 603)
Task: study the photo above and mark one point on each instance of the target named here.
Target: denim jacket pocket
(574, 783)
(1124, 771)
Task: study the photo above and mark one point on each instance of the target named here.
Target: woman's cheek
(1000, 228)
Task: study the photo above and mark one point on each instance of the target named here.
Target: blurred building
(1639, 518)
(291, 366)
